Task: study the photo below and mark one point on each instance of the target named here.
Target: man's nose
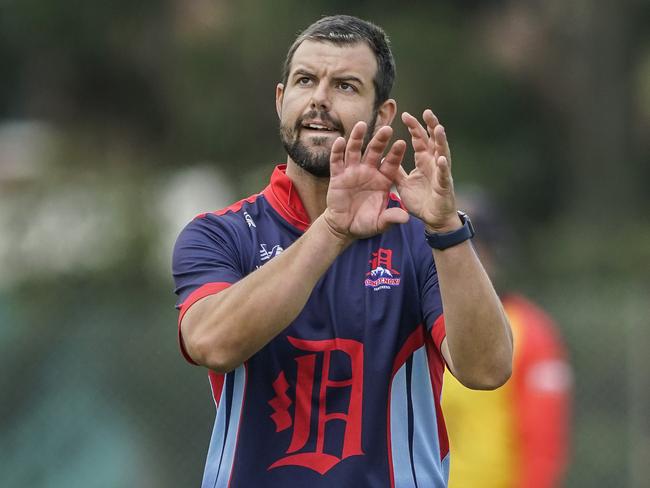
(320, 98)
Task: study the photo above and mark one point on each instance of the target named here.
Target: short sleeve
(431, 300)
(206, 260)
(206, 252)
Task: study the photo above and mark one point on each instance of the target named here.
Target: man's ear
(279, 93)
(386, 113)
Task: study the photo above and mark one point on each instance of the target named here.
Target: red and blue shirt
(348, 394)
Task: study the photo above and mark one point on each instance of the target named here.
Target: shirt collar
(283, 197)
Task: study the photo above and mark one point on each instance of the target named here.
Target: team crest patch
(382, 275)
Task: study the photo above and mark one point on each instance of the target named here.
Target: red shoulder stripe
(235, 207)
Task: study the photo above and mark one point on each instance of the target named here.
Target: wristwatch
(444, 240)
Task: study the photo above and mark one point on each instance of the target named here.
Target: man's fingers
(355, 143)
(431, 120)
(392, 163)
(401, 175)
(377, 146)
(419, 136)
(437, 135)
(443, 173)
(337, 157)
(442, 145)
(393, 215)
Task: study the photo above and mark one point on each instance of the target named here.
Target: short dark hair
(345, 30)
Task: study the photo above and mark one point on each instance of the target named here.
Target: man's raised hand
(428, 191)
(357, 197)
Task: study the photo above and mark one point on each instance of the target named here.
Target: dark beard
(314, 161)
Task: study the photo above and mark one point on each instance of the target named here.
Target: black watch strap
(448, 239)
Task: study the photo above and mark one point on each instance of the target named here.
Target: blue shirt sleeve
(431, 299)
(207, 250)
(427, 275)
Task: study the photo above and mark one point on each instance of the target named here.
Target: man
(317, 304)
(518, 435)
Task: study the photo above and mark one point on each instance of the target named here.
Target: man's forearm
(478, 332)
(221, 331)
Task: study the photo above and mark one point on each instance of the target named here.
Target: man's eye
(304, 80)
(347, 87)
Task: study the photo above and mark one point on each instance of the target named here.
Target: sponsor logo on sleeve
(249, 219)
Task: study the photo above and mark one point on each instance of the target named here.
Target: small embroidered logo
(249, 220)
(265, 254)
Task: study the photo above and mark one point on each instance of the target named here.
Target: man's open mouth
(319, 127)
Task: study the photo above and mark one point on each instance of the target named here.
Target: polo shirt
(348, 394)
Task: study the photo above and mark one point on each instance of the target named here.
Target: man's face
(328, 90)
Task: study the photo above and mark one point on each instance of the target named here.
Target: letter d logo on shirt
(318, 460)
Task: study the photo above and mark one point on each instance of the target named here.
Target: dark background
(119, 121)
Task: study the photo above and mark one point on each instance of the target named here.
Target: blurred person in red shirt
(518, 435)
